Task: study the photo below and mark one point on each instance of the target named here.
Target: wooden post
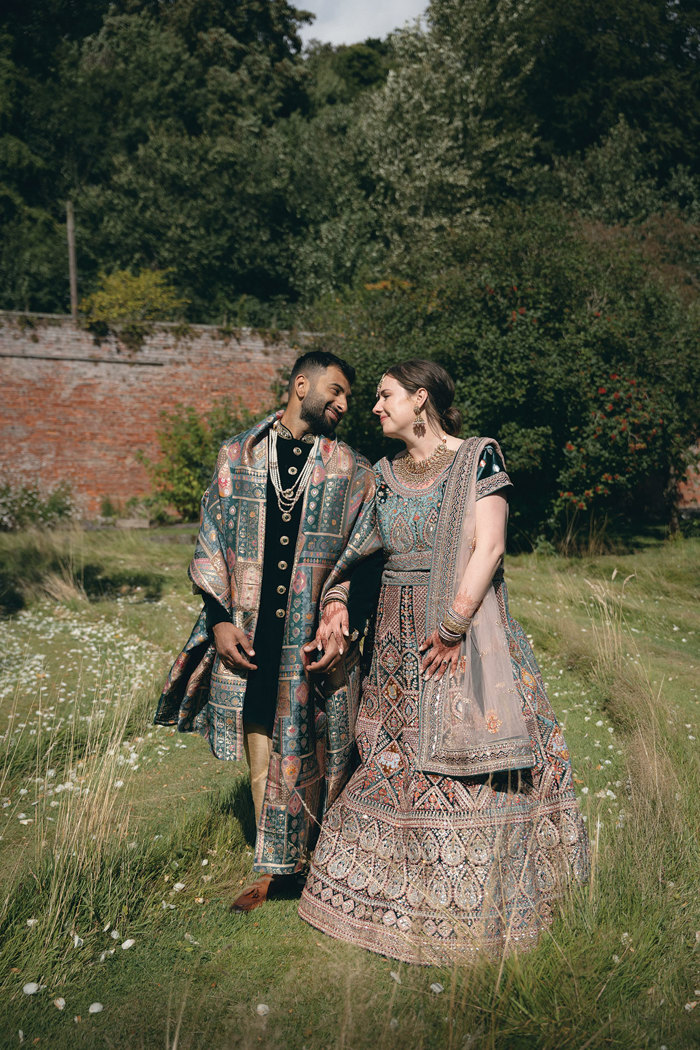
(72, 269)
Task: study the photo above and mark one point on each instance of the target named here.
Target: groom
(274, 521)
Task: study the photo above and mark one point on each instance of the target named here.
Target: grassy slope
(617, 638)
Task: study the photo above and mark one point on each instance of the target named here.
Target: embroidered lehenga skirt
(424, 867)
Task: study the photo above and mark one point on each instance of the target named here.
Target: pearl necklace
(288, 498)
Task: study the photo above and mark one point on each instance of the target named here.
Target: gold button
(281, 589)
(293, 471)
(296, 451)
(286, 516)
(281, 565)
(279, 613)
(284, 540)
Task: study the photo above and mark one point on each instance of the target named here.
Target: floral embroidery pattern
(493, 722)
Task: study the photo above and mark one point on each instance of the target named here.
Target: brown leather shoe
(254, 896)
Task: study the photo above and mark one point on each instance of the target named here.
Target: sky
(350, 21)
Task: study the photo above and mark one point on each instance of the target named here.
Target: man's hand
(331, 639)
(232, 645)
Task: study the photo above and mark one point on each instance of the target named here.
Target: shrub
(189, 443)
(24, 506)
(128, 303)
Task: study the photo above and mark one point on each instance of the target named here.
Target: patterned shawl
(470, 722)
(228, 564)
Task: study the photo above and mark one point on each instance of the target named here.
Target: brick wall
(75, 410)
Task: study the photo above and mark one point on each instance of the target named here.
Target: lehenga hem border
(406, 948)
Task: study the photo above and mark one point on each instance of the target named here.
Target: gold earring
(418, 423)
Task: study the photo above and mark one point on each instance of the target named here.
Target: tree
(594, 60)
(338, 75)
(32, 242)
(440, 144)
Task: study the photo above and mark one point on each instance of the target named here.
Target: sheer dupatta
(470, 722)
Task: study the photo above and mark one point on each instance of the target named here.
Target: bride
(459, 829)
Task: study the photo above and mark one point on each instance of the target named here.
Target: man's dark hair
(317, 361)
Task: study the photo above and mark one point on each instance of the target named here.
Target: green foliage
(340, 74)
(130, 101)
(439, 154)
(126, 297)
(127, 302)
(615, 181)
(198, 138)
(189, 443)
(593, 61)
(25, 507)
(533, 318)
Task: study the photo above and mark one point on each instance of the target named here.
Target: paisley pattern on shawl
(201, 694)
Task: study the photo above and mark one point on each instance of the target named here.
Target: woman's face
(395, 407)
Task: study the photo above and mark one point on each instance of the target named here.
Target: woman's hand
(334, 624)
(438, 657)
(331, 639)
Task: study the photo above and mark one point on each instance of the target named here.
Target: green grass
(617, 639)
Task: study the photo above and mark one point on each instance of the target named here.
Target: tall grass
(616, 970)
(80, 866)
(69, 564)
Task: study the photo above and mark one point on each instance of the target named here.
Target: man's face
(326, 400)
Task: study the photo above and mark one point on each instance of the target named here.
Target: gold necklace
(409, 469)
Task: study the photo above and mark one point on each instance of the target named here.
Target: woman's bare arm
(491, 519)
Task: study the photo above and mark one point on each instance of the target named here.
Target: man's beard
(313, 411)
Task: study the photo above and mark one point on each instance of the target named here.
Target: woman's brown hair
(428, 375)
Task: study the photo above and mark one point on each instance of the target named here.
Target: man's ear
(301, 386)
